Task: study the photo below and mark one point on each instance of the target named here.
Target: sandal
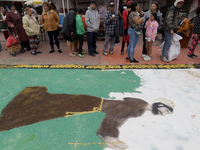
(72, 55)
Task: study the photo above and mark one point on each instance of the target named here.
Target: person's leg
(55, 36)
(69, 44)
(6, 34)
(94, 42)
(112, 44)
(50, 35)
(147, 46)
(150, 48)
(36, 42)
(105, 49)
(80, 38)
(130, 42)
(167, 43)
(195, 41)
(123, 44)
(89, 42)
(121, 26)
(28, 45)
(135, 41)
(32, 46)
(144, 51)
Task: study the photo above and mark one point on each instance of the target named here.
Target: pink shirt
(151, 29)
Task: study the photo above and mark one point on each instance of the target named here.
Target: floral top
(151, 29)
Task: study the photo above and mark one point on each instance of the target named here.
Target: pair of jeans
(53, 35)
(108, 38)
(80, 39)
(133, 40)
(121, 22)
(167, 44)
(91, 40)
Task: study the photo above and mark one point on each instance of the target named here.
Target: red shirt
(125, 15)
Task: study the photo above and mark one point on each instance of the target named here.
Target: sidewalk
(63, 59)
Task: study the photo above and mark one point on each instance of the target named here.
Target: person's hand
(72, 33)
(196, 35)
(113, 18)
(148, 19)
(172, 32)
(12, 26)
(142, 19)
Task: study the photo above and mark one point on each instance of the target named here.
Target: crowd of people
(129, 22)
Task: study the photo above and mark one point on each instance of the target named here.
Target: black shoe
(127, 58)
(52, 51)
(95, 52)
(134, 61)
(59, 51)
(22, 50)
(122, 52)
(13, 54)
(38, 52)
(190, 56)
(33, 53)
(28, 49)
(194, 55)
(92, 55)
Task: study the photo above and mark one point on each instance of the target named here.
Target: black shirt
(122, 8)
(196, 29)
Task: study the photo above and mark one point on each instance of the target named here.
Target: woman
(50, 22)
(154, 9)
(195, 35)
(53, 7)
(14, 20)
(134, 22)
(3, 25)
(32, 29)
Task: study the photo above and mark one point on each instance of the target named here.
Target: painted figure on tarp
(35, 104)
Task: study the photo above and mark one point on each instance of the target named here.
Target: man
(111, 23)
(122, 7)
(184, 25)
(92, 21)
(170, 26)
(69, 29)
(35, 104)
(125, 27)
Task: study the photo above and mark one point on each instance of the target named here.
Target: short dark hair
(155, 15)
(134, 5)
(52, 4)
(75, 9)
(80, 11)
(92, 2)
(156, 5)
(198, 10)
(4, 6)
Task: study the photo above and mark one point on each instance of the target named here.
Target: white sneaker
(144, 56)
(148, 58)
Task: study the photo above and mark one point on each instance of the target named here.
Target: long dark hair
(155, 15)
(134, 5)
(156, 5)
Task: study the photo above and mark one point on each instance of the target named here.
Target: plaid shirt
(111, 27)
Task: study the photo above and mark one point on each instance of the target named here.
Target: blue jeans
(133, 40)
(121, 22)
(91, 40)
(167, 44)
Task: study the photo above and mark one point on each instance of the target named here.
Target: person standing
(111, 23)
(195, 35)
(80, 31)
(69, 29)
(92, 21)
(135, 22)
(170, 26)
(3, 25)
(14, 20)
(125, 38)
(154, 9)
(122, 7)
(50, 22)
(32, 29)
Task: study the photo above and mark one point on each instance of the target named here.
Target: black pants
(53, 35)
(80, 38)
(25, 44)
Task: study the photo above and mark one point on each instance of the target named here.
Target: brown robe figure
(35, 104)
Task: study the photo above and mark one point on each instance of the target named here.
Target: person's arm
(72, 22)
(107, 19)
(117, 25)
(26, 25)
(119, 11)
(138, 20)
(185, 27)
(79, 24)
(42, 20)
(147, 24)
(87, 19)
(9, 21)
(170, 22)
(155, 30)
(57, 18)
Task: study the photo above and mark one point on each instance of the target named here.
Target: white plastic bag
(175, 47)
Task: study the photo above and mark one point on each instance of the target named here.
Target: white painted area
(177, 131)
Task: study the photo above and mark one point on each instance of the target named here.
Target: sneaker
(144, 55)
(190, 56)
(38, 52)
(147, 57)
(95, 52)
(92, 55)
(194, 55)
(33, 53)
(84, 52)
(134, 61)
(59, 51)
(127, 58)
(164, 59)
(80, 55)
(106, 54)
(111, 52)
(51, 51)
(122, 52)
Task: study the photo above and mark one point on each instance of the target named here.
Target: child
(151, 32)
(80, 31)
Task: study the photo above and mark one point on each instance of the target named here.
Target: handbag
(138, 31)
(117, 39)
